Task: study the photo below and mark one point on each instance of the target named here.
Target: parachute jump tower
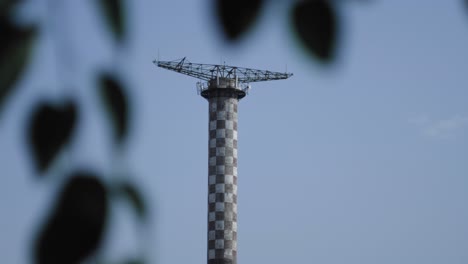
(224, 86)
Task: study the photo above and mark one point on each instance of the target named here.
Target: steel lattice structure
(209, 72)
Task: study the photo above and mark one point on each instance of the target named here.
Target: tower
(224, 87)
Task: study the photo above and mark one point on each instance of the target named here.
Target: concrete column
(223, 96)
(222, 179)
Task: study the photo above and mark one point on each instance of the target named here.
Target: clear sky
(362, 162)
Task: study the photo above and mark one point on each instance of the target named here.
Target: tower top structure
(210, 72)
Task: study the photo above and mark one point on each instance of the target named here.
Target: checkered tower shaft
(223, 97)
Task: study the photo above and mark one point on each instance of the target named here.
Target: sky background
(364, 161)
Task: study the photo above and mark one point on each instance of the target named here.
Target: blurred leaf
(134, 261)
(133, 195)
(315, 22)
(15, 48)
(112, 94)
(114, 14)
(237, 16)
(75, 228)
(50, 128)
(6, 5)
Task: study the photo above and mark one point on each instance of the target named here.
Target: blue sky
(365, 161)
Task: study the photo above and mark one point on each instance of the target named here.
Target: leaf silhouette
(133, 195)
(114, 15)
(6, 6)
(50, 128)
(15, 50)
(112, 94)
(134, 261)
(75, 228)
(237, 16)
(316, 25)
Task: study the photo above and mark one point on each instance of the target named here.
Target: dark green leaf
(15, 49)
(133, 195)
(75, 228)
(50, 128)
(134, 261)
(6, 6)
(113, 96)
(316, 24)
(114, 13)
(237, 16)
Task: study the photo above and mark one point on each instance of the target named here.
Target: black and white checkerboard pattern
(222, 181)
